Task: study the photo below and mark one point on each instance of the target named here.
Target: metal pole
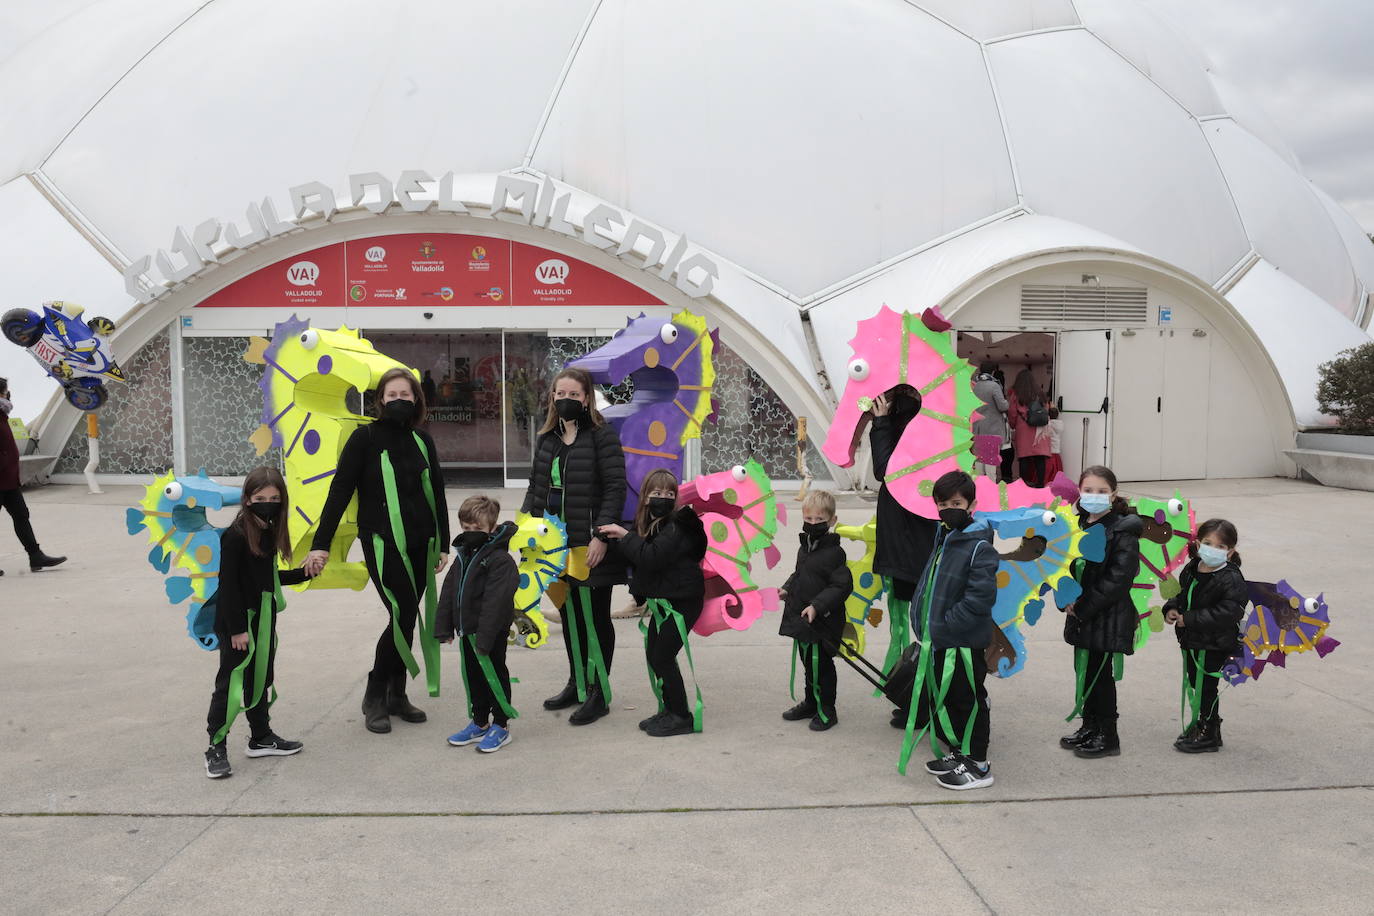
(93, 441)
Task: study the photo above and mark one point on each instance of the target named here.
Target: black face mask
(815, 529)
(661, 506)
(268, 512)
(471, 540)
(955, 519)
(569, 408)
(399, 410)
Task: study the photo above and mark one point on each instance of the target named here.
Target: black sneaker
(966, 775)
(671, 724)
(821, 723)
(217, 762)
(271, 745)
(944, 765)
(803, 710)
(645, 723)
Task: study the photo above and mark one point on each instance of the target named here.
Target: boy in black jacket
(952, 614)
(477, 604)
(813, 609)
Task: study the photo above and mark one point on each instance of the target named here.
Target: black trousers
(1100, 701)
(819, 666)
(486, 707)
(661, 649)
(1033, 470)
(13, 502)
(387, 659)
(961, 702)
(259, 722)
(1008, 458)
(602, 626)
(1212, 660)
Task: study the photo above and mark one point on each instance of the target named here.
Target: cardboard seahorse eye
(673, 373)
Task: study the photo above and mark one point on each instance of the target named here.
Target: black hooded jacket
(667, 563)
(1104, 617)
(822, 580)
(593, 490)
(905, 539)
(478, 595)
(1213, 606)
(360, 471)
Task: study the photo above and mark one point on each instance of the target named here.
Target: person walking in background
(11, 496)
(991, 418)
(1030, 427)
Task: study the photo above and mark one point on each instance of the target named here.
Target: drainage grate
(1098, 304)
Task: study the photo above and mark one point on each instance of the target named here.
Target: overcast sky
(1310, 64)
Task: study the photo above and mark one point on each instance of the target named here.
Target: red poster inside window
(543, 277)
(433, 269)
(313, 279)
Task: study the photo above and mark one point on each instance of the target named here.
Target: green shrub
(1345, 389)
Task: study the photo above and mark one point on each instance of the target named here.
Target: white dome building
(1068, 181)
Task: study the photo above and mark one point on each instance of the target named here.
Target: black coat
(478, 594)
(905, 539)
(360, 471)
(822, 580)
(1104, 618)
(243, 580)
(593, 490)
(1213, 605)
(667, 563)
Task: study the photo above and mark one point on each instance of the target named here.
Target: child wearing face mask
(813, 609)
(1206, 615)
(664, 551)
(477, 605)
(246, 607)
(951, 614)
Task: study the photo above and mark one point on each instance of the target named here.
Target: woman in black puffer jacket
(578, 474)
(1101, 624)
(1206, 614)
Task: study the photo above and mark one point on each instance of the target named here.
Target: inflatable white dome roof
(805, 144)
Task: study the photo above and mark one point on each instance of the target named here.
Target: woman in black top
(578, 474)
(246, 606)
(393, 467)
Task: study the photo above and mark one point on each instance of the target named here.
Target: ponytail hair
(1119, 504)
(1222, 529)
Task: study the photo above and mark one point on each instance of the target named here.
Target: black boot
(398, 704)
(820, 723)
(41, 560)
(1085, 731)
(1103, 742)
(374, 704)
(803, 710)
(564, 698)
(1207, 739)
(590, 711)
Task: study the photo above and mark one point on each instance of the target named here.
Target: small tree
(1345, 389)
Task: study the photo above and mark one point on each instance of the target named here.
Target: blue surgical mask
(1211, 556)
(1095, 503)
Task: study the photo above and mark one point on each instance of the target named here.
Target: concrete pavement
(105, 806)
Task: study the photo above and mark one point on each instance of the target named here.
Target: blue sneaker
(497, 738)
(473, 732)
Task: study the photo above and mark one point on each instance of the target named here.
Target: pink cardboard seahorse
(893, 349)
(741, 516)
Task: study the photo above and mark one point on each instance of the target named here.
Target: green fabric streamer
(1080, 669)
(570, 615)
(923, 673)
(792, 678)
(261, 619)
(663, 611)
(654, 681)
(898, 628)
(429, 644)
(816, 681)
(492, 681)
(596, 664)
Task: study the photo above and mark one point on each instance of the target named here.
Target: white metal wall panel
(987, 19)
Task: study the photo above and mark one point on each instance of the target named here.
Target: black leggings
(486, 706)
(661, 649)
(601, 623)
(13, 503)
(1100, 701)
(387, 659)
(819, 666)
(1033, 470)
(1212, 660)
(259, 722)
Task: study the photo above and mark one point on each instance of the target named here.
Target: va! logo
(551, 272)
(376, 254)
(303, 273)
